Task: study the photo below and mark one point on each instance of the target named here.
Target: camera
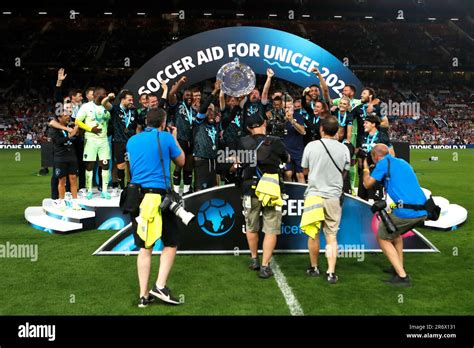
(362, 154)
(175, 204)
(379, 207)
(277, 125)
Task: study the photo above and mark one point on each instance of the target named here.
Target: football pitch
(67, 280)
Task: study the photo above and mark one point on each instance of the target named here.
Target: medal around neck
(237, 78)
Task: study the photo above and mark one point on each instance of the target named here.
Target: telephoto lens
(379, 207)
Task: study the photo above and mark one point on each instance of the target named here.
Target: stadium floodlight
(141, 13)
(7, 13)
(239, 14)
(368, 17)
(272, 15)
(431, 18)
(108, 13)
(454, 19)
(305, 16)
(42, 13)
(207, 14)
(337, 16)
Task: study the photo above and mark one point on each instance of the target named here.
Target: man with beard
(183, 117)
(312, 94)
(253, 104)
(205, 140)
(348, 91)
(93, 118)
(231, 116)
(125, 123)
(196, 99)
(369, 106)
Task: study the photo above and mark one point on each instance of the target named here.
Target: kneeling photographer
(261, 185)
(150, 199)
(410, 209)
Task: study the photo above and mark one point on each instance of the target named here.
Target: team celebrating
(307, 138)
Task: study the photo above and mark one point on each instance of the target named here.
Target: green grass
(222, 285)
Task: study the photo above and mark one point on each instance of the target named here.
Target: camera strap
(332, 159)
(161, 158)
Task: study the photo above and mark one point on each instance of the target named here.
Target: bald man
(402, 185)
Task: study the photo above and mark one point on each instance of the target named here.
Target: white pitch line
(290, 298)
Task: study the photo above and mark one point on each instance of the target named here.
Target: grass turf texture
(67, 280)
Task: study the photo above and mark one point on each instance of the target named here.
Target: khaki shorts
(271, 216)
(332, 215)
(403, 225)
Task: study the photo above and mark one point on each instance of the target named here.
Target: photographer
(262, 177)
(150, 153)
(325, 162)
(373, 134)
(402, 185)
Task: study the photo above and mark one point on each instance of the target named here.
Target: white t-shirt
(324, 179)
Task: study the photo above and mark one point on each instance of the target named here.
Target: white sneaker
(59, 204)
(75, 205)
(115, 192)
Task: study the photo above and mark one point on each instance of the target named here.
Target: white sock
(176, 188)
(186, 188)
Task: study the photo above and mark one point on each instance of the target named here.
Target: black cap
(373, 119)
(254, 121)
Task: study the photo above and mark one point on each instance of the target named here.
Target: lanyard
(364, 107)
(343, 123)
(127, 116)
(189, 113)
(371, 140)
(211, 132)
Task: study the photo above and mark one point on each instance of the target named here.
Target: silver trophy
(237, 78)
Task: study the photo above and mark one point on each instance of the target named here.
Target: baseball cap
(254, 121)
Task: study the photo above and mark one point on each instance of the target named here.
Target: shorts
(204, 173)
(294, 164)
(94, 148)
(403, 225)
(186, 147)
(119, 149)
(332, 215)
(170, 229)
(271, 216)
(62, 169)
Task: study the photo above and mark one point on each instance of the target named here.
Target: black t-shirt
(124, 123)
(254, 108)
(232, 125)
(311, 123)
(183, 118)
(270, 154)
(205, 139)
(62, 145)
(381, 136)
(359, 114)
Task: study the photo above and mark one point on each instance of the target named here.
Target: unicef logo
(216, 217)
